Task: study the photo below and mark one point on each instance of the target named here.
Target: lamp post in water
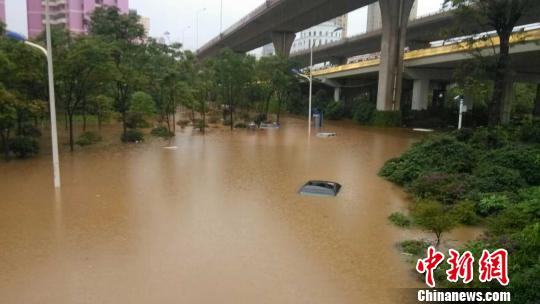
(52, 101)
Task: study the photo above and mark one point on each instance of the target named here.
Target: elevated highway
(438, 64)
(275, 20)
(420, 32)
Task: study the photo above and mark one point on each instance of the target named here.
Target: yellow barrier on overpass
(519, 37)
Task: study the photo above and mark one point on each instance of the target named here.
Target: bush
(240, 125)
(335, 110)
(363, 111)
(31, 131)
(524, 159)
(436, 154)
(132, 135)
(497, 179)
(492, 204)
(399, 219)
(162, 132)
(432, 216)
(414, 247)
(227, 122)
(530, 132)
(88, 138)
(136, 120)
(489, 138)
(465, 213)
(386, 119)
(444, 187)
(23, 146)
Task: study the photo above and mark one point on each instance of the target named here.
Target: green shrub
(88, 138)
(363, 111)
(386, 119)
(524, 159)
(434, 217)
(492, 203)
(497, 179)
(31, 131)
(414, 247)
(136, 120)
(443, 187)
(23, 146)
(335, 110)
(465, 213)
(530, 132)
(489, 138)
(240, 125)
(132, 135)
(162, 132)
(399, 219)
(436, 154)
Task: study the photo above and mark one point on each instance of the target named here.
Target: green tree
(8, 118)
(102, 107)
(81, 67)
(432, 216)
(124, 34)
(501, 16)
(233, 73)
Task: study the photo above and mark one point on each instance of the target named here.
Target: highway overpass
(420, 32)
(438, 64)
(277, 18)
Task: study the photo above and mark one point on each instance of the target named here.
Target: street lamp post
(197, 27)
(221, 17)
(52, 101)
(184, 35)
(310, 79)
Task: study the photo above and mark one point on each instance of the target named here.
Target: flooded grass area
(218, 219)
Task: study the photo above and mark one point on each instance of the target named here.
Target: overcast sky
(178, 16)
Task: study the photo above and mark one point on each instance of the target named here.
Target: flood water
(217, 220)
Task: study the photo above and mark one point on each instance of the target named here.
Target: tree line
(115, 70)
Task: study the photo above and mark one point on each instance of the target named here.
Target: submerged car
(320, 188)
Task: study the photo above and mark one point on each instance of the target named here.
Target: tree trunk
(278, 110)
(536, 111)
(174, 120)
(71, 142)
(501, 80)
(99, 123)
(5, 144)
(267, 107)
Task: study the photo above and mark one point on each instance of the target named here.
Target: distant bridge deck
(443, 53)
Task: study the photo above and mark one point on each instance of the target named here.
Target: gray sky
(178, 16)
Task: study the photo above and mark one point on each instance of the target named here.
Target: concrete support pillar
(420, 94)
(283, 42)
(395, 17)
(337, 94)
(506, 107)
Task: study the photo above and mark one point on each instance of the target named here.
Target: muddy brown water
(217, 220)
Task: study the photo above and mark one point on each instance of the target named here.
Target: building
(318, 35)
(374, 15)
(145, 22)
(74, 14)
(3, 11)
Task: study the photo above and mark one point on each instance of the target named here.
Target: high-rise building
(74, 14)
(3, 11)
(374, 21)
(326, 32)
